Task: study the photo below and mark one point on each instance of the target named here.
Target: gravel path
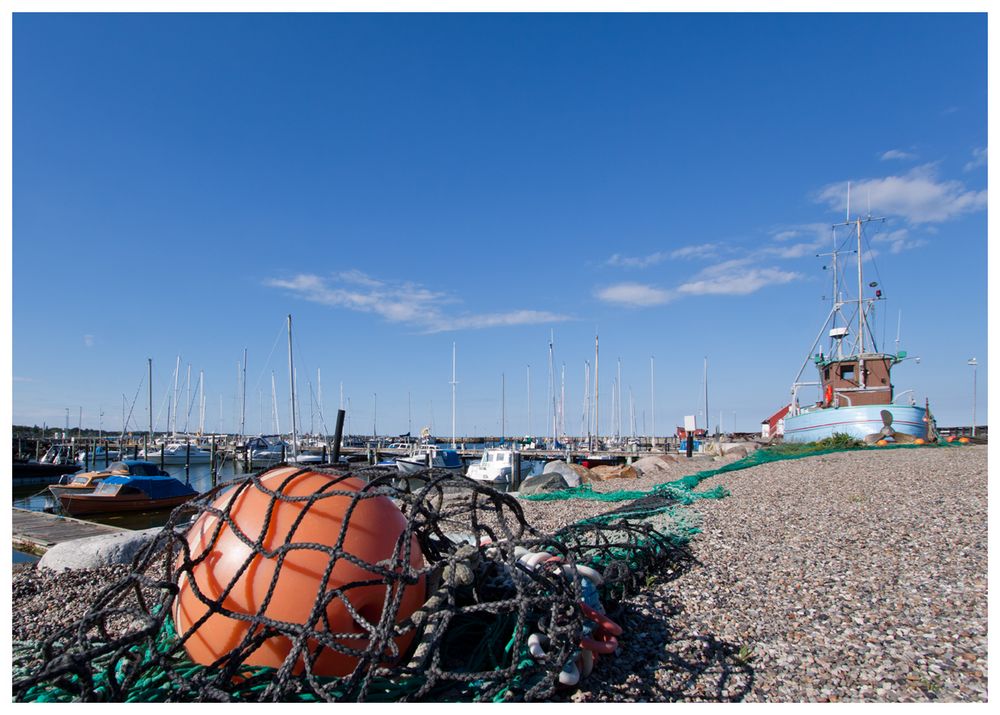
(854, 576)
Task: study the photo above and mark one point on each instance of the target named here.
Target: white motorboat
(178, 453)
(497, 464)
(429, 456)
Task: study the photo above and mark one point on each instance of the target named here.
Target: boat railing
(904, 392)
(846, 397)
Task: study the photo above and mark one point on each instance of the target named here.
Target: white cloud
(898, 240)
(634, 295)
(978, 159)
(897, 154)
(735, 277)
(404, 302)
(88, 341)
(918, 196)
(698, 250)
(18, 378)
(815, 235)
(637, 261)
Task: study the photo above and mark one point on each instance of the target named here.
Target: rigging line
(132, 406)
(267, 362)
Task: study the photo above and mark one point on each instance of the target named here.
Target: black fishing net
(323, 584)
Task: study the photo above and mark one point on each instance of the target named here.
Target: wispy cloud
(739, 276)
(652, 259)
(898, 240)
(735, 277)
(637, 295)
(19, 378)
(404, 302)
(88, 341)
(918, 196)
(808, 238)
(695, 251)
(978, 159)
(897, 154)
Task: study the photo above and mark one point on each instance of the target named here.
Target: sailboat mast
(597, 396)
(453, 383)
(652, 403)
(291, 385)
(201, 402)
(274, 407)
(149, 368)
(503, 407)
(173, 424)
(243, 382)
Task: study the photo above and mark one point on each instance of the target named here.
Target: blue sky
(400, 183)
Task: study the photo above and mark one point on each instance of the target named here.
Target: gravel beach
(855, 576)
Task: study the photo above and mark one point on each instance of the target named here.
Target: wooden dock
(36, 532)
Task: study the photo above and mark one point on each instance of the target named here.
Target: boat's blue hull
(858, 422)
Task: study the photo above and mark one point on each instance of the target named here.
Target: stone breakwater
(857, 576)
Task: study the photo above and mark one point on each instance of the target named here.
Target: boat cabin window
(847, 372)
(81, 480)
(826, 374)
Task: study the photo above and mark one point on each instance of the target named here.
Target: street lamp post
(974, 366)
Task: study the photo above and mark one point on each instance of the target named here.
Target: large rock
(96, 551)
(605, 472)
(574, 474)
(650, 466)
(541, 483)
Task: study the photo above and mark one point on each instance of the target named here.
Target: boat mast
(201, 402)
(291, 383)
(652, 405)
(529, 399)
(597, 396)
(243, 381)
(173, 424)
(149, 367)
(453, 384)
(274, 407)
(706, 396)
(503, 408)
(551, 396)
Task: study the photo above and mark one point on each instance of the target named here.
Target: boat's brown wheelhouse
(858, 380)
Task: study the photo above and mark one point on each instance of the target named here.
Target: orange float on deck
(221, 555)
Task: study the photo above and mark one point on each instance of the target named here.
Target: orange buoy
(373, 535)
(918, 440)
(881, 443)
(963, 440)
(953, 438)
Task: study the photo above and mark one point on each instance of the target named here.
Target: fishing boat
(497, 465)
(87, 482)
(856, 393)
(123, 492)
(429, 456)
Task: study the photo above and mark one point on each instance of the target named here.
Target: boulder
(651, 465)
(97, 551)
(541, 483)
(574, 474)
(608, 471)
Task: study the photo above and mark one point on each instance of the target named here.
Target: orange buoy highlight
(963, 440)
(272, 563)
